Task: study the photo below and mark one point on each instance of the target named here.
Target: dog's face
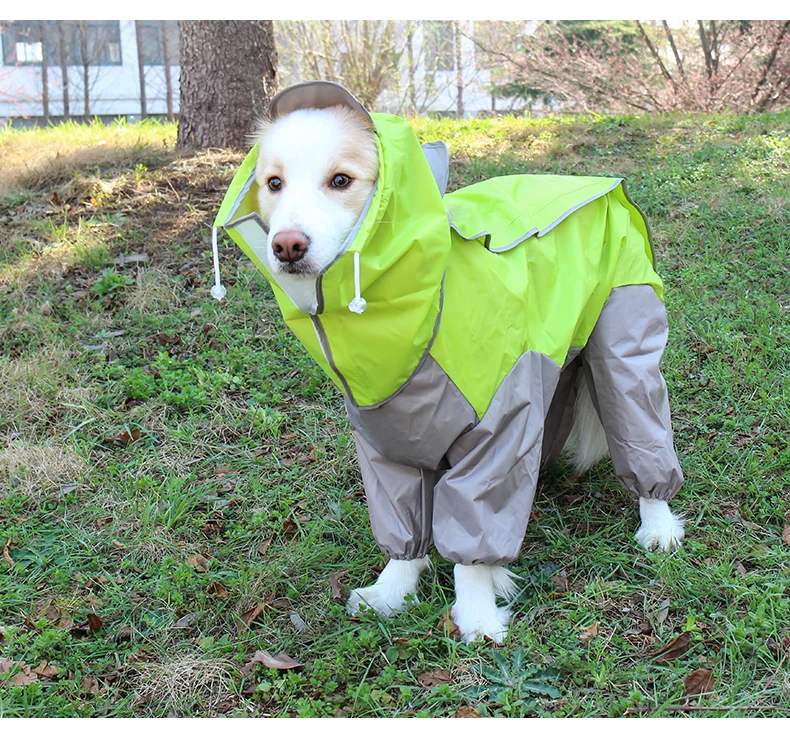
(315, 172)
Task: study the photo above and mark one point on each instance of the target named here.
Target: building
(52, 69)
(88, 68)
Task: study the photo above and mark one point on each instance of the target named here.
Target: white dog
(315, 172)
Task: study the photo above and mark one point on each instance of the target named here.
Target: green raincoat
(481, 307)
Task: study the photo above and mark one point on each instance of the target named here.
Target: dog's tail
(586, 444)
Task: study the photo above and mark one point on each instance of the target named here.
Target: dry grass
(41, 157)
(35, 469)
(185, 682)
(154, 290)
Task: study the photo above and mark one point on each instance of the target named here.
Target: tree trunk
(42, 29)
(64, 66)
(459, 105)
(138, 30)
(168, 80)
(228, 75)
(86, 114)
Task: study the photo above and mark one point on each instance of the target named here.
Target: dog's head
(316, 169)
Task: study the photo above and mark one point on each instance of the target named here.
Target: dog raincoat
(455, 326)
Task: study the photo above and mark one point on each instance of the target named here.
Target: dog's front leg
(475, 611)
(661, 529)
(388, 594)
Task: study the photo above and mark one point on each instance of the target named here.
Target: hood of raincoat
(408, 236)
(403, 241)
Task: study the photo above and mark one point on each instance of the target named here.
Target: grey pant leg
(400, 503)
(622, 358)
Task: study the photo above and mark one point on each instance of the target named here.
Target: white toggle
(359, 304)
(218, 289)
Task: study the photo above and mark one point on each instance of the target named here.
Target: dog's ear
(262, 124)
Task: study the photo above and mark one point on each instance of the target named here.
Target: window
(26, 42)
(439, 40)
(152, 38)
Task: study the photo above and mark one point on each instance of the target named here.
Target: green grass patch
(181, 470)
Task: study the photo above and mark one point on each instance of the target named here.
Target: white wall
(113, 90)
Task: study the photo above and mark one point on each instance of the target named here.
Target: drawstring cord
(218, 289)
(359, 304)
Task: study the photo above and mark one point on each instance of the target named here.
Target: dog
(317, 167)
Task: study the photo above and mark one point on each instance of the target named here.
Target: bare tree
(64, 65)
(228, 74)
(138, 31)
(710, 66)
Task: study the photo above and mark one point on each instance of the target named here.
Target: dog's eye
(274, 183)
(341, 182)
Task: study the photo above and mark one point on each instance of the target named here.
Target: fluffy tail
(586, 444)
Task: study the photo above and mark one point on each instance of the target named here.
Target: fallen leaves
(122, 439)
(23, 678)
(432, 679)
(786, 534)
(679, 646)
(587, 633)
(698, 682)
(6, 556)
(449, 628)
(339, 592)
(198, 562)
(281, 661)
(92, 624)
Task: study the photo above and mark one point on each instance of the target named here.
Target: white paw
(388, 594)
(383, 599)
(475, 610)
(661, 529)
(476, 623)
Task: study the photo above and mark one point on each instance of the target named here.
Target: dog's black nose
(290, 246)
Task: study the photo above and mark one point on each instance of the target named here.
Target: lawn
(180, 506)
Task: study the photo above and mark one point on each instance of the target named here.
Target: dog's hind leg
(475, 611)
(623, 356)
(586, 443)
(388, 594)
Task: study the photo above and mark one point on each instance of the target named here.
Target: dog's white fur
(305, 150)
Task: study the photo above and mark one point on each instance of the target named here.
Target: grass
(178, 467)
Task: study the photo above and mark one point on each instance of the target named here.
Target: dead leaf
(165, 339)
(698, 682)
(264, 546)
(339, 593)
(126, 259)
(434, 678)
(46, 670)
(280, 661)
(215, 588)
(198, 562)
(663, 611)
(740, 569)
(23, 678)
(125, 635)
(448, 627)
(46, 308)
(588, 633)
(184, 622)
(118, 545)
(679, 646)
(246, 619)
(122, 439)
(560, 581)
(90, 684)
(290, 529)
(786, 535)
(465, 712)
(6, 556)
(299, 624)
(94, 622)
